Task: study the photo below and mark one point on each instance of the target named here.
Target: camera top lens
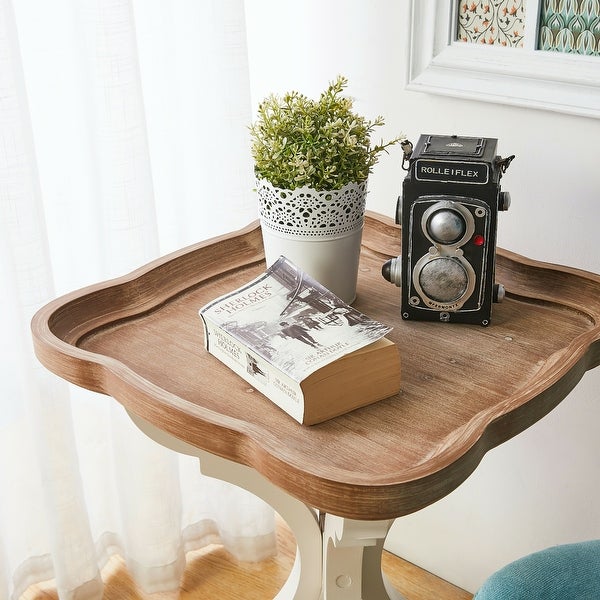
(446, 226)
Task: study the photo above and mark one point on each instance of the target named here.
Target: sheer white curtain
(123, 135)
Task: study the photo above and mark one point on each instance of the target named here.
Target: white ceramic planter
(319, 231)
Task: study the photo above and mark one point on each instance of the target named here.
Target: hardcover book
(301, 346)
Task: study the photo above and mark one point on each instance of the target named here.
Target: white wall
(540, 488)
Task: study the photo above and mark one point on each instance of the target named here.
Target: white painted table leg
(341, 563)
(352, 560)
(304, 581)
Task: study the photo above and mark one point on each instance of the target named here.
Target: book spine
(281, 389)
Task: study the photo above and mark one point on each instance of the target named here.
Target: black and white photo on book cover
(291, 321)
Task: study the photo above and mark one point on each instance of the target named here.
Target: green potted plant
(312, 160)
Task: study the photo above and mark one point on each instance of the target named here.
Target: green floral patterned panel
(500, 22)
(570, 26)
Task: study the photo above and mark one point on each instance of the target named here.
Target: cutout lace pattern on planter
(308, 212)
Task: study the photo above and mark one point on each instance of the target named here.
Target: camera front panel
(448, 258)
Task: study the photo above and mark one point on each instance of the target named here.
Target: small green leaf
(296, 141)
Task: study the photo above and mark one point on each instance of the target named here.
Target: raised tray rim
(56, 335)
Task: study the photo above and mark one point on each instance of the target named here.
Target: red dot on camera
(478, 240)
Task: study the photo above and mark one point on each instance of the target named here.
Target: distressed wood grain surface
(465, 388)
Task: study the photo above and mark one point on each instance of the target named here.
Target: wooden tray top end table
(340, 484)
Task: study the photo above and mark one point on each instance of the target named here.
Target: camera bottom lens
(444, 280)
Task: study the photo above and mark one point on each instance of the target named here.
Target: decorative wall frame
(566, 83)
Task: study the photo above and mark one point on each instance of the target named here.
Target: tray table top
(465, 388)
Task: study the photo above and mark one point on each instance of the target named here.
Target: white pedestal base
(342, 562)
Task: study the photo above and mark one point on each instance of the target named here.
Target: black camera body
(449, 213)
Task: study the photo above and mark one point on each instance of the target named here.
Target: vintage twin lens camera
(449, 210)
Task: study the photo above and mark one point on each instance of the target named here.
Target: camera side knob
(499, 292)
(392, 270)
(504, 201)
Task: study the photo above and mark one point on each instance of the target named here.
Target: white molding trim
(565, 83)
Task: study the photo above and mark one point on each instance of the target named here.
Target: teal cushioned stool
(566, 572)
